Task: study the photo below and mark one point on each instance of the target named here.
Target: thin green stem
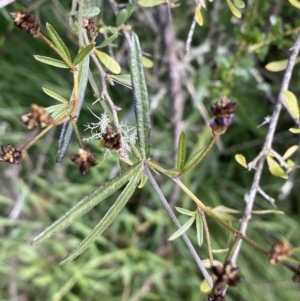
(207, 236)
(208, 211)
(202, 154)
(75, 100)
(178, 225)
(77, 134)
(80, 16)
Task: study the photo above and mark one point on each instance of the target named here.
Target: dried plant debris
(111, 140)
(279, 251)
(38, 117)
(89, 25)
(223, 111)
(27, 22)
(11, 154)
(85, 159)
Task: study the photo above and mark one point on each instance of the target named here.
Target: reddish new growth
(227, 275)
(11, 154)
(279, 251)
(27, 22)
(85, 159)
(111, 140)
(224, 113)
(38, 117)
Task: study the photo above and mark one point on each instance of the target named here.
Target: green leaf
(239, 3)
(192, 160)
(294, 131)
(292, 103)
(140, 97)
(275, 168)
(143, 181)
(109, 216)
(181, 151)
(183, 229)
(241, 160)
(67, 128)
(185, 211)
(109, 40)
(277, 66)
(147, 63)
(58, 111)
(58, 42)
(50, 61)
(87, 203)
(122, 17)
(82, 54)
(233, 9)
(91, 12)
(295, 3)
(110, 63)
(55, 96)
(198, 15)
(150, 3)
(199, 228)
(124, 79)
(290, 151)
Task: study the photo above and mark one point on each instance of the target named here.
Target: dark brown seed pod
(11, 154)
(27, 22)
(85, 159)
(111, 140)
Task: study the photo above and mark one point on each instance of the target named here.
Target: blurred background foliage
(133, 259)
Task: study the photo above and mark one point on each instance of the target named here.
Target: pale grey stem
(268, 144)
(178, 225)
(267, 197)
(190, 37)
(281, 161)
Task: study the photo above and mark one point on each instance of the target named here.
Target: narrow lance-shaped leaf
(50, 61)
(58, 42)
(140, 97)
(67, 128)
(109, 40)
(199, 228)
(55, 95)
(290, 151)
(181, 151)
(233, 9)
(87, 203)
(198, 15)
(150, 3)
(183, 229)
(82, 54)
(192, 160)
(109, 216)
(185, 211)
(58, 111)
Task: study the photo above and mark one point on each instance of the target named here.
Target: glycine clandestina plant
(137, 165)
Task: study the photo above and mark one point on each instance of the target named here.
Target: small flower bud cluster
(279, 251)
(38, 117)
(85, 159)
(227, 275)
(224, 113)
(27, 22)
(11, 154)
(89, 25)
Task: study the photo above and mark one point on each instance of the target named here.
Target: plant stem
(178, 225)
(75, 100)
(218, 219)
(77, 134)
(80, 16)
